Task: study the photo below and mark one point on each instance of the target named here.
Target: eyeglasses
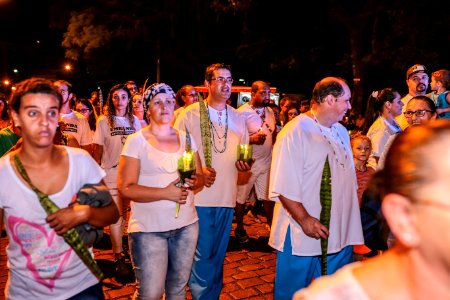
(223, 80)
(418, 113)
(83, 110)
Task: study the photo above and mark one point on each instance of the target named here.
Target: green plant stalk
(187, 148)
(72, 237)
(206, 133)
(325, 213)
(177, 205)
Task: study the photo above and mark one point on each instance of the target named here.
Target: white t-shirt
(113, 140)
(176, 113)
(42, 265)
(340, 286)
(158, 169)
(78, 126)
(223, 192)
(298, 160)
(261, 153)
(379, 133)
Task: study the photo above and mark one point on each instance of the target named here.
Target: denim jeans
(94, 292)
(162, 261)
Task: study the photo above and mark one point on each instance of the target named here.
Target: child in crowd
(440, 82)
(361, 148)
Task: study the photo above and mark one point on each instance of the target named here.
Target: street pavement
(249, 269)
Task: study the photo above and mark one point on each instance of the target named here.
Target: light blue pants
(295, 272)
(162, 261)
(207, 271)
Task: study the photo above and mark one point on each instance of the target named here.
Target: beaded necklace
(215, 134)
(329, 142)
(262, 115)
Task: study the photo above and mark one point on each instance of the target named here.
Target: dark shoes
(256, 209)
(241, 235)
(121, 268)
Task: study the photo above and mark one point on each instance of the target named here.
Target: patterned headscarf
(155, 89)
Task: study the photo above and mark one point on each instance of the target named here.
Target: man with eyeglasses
(417, 80)
(73, 122)
(217, 129)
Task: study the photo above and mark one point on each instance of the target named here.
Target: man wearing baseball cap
(417, 80)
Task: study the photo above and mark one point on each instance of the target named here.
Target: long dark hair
(375, 105)
(5, 114)
(92, 116)
(111, 112)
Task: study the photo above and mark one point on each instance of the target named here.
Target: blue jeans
(94, 292)
(162, 261)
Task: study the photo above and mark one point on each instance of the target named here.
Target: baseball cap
(415, 69)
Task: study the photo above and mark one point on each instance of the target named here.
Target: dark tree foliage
(370, 43)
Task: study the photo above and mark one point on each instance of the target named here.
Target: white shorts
(258, 177)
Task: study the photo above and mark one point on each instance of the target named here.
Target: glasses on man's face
(223, 80)
(418, 113)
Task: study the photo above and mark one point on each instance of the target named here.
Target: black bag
(96, 195)
(374, 225)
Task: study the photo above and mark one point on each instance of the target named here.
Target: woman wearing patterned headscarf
(163, 224)
(112, 130)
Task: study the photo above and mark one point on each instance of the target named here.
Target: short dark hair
(430, 103)
(66, 83)
(34, 85)
(182, 92)
(328, 86)
(210, 70)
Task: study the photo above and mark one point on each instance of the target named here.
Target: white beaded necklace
(331, 144)
(214, 132)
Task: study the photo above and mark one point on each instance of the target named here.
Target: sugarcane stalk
(206, 133)
(325, 213)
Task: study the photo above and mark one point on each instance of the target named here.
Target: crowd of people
(310, 167)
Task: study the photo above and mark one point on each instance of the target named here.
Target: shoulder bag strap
(71, 237)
